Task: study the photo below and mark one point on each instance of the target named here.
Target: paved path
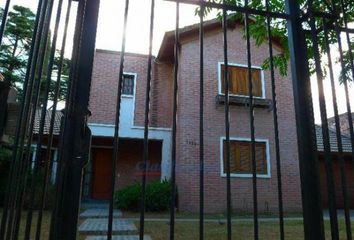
(131, 237)
(99, 213)
(100, 226)
(95, 225)
(216, 220)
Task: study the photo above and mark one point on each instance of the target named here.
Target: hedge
(158, 195)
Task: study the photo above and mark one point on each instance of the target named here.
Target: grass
(44, 229)
(188, 215)
(242, 230)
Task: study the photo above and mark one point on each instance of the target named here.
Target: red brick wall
(102, 104)
(105, 83)
(130, 159)
(188, 140)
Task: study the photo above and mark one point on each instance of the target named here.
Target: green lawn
(242, 231)
(213, 231)
(45, 225)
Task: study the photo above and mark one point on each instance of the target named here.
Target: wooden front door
(102, 174)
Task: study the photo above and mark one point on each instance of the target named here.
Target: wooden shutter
(261, 161)
(241, 157)
(239, 81)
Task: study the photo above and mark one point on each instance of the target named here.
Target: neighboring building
(103, 108)
(54, 154)
(343, 122)
(334, 157)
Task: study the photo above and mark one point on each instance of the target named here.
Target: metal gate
(314, 30)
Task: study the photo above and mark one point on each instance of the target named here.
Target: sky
(109, 34)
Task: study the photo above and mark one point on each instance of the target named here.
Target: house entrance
(102, 173)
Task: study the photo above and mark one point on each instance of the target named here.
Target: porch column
(166, 159)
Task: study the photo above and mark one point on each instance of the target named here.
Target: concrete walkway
(95, 225)
(99, 213)
(132, 237)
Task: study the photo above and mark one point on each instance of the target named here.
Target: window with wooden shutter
(241, 157)
(239, 85)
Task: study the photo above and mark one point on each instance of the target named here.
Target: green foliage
(37, 200)
(157, 197)
(259, 32)
(15, 49)
(347, 74)
(16, 44)
(128, 198)
(5, 154)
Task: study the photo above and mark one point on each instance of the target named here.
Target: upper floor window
(241, 158)
(128, 85)
(239, 84)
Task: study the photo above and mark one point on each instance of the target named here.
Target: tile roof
(58, 116)
(346, 143)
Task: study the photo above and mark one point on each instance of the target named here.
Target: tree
(259, 32)
(16, 45)
(15, 50)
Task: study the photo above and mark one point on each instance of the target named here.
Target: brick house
(103, 105)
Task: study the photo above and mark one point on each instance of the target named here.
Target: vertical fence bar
(3, 20)
(252, 128)
(146, 125)
(43, 116)
(338, 133)
(15, 216)
(55, 103)
(345, 82)
(57, 215)
(56, 94)
(324, 127)
(35, 171)
(201, 121)
(27, 93)
(174, 126)
(309, 171)
(77, 136)
(276, 126)
(117, 122)
(227, 126)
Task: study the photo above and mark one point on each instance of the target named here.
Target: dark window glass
(128, 85)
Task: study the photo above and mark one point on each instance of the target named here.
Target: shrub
(157, 197)
(38, 192)
(128, 198)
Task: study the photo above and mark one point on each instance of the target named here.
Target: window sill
(244, 101)
(239, 175)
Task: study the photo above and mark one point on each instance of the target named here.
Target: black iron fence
(314, 30)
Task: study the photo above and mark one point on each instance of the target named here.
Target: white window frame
(244, 175)
(134, 82)
(241, 65)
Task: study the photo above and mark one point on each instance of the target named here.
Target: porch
(98, 173)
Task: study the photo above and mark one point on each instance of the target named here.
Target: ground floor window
(241, 157)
